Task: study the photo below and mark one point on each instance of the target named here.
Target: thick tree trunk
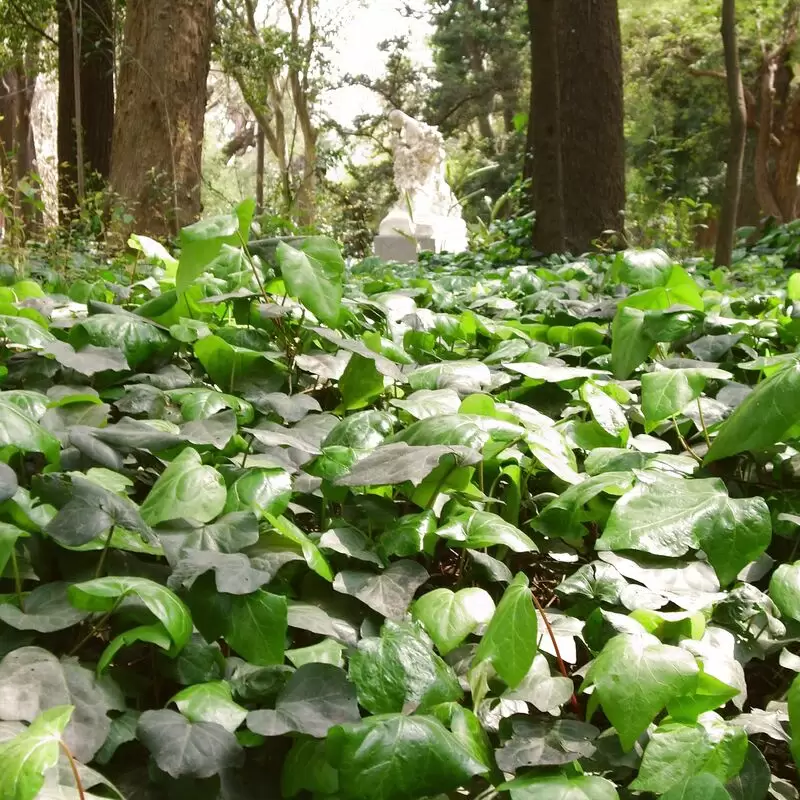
(592, 135)
(95, 36)
(17, 149)
(546, 171)
(158, 132)
(738, 111)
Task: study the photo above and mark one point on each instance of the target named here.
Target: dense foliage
(273, 526)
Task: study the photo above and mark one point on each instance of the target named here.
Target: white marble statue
(426, 208)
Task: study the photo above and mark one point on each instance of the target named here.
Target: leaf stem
(703, 423)
(106, 546)
(74, 766)
(17, 579)
(96, 626)
(561, 665)
(686, 446)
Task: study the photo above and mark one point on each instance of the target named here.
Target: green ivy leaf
(634, 677)
(26, 758)
(765, 416)
(185, 749)
(449, 617)
(315, 698)
(187, 489)
(509, 642)
(210, 702)
(107, 595)
(257, 627)
(560, 787)
(312, 270)
(403, 757)
(784, 589)
(399, 671)
(19, 430)
(678, 751)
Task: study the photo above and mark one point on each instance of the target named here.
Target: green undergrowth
(275, 526)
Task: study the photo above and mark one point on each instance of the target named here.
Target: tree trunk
(17, 149)
(95, 35)
(738, 112)
(158, 131)
(260, 154)
(548, 195)
(592, 135)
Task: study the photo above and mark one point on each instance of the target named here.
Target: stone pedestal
(401, 248)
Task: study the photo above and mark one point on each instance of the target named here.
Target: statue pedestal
(404, 249)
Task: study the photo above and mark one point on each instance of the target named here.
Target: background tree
(277, 64)
(23, 42)
(90, 24)
(738, 110)
(158, 131)
(592, 120)
(544, 123)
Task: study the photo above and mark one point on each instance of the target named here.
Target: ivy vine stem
(561, 665)
(74, 766)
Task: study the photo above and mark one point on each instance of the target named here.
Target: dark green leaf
(316, 697)
(186, 749)
(396, 757)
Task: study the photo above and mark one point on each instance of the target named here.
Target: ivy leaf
(360, 382)
(784, 589)
(312, 271)
(185, 749)
(233, 572)
(667, 392)
(764, 417)
(107, 594)
(257, 627)
(677, 751)
(399, 671)
(793, 702)
(399, 462)
(481, 529)
(288, 530)
(89, 360)
(698, 787)
(560, 787)
(548, 743)
(8, 542)
(634, 677)
(34, 680)
(389, 592)
(46, 610)
(396, 757)
(228, 534)
(316, 697)
(261, 491)
(19, 430)
(210, 702)
(701, 515)
(187, 489)
(8, 482)
(93, 510)
(26, 758)
(152, 634)
(203, 241)
(509, 642)
(449, 617)
(138, 339)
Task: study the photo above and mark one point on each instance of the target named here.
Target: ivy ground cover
(275, 527)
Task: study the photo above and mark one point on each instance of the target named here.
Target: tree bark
(738, 111)
(158, 132)
(95, 73)
(592, 135)
(544, 122)
(260, 154)
(17, 149)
